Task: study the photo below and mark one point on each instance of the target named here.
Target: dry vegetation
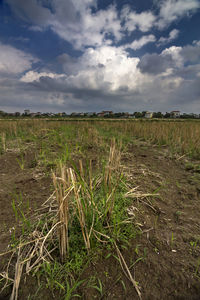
(103, 205)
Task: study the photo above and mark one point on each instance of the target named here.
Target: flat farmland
(99, 209)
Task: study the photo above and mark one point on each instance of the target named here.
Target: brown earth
(166, 253)
(30, 185)
(169, 230)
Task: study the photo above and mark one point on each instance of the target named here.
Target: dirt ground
(171, 232)
(167, 250)
(28, 188)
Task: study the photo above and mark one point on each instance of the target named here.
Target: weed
(178, 185)
(18, 209)
(98, 287)
(177, 215)
(72, 289)
(14, 241)
(193, 244)
(124, 286)
(172, 240)
(21, 162)
(197, 267)
(137, 249)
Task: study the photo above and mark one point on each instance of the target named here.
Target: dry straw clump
(3, 141)
(73, 207)
(69, 194)
(75, 194)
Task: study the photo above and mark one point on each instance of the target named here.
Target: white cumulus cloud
(171, 10)
(106, 66)
(172, 36)
(14, 61)
(137, 44)
(80, 23)
(144, 21)
(176, 55)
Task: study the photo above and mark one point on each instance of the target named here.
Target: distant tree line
(104, 114)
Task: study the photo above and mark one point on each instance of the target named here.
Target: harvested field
(99, 210)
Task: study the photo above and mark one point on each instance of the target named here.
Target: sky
(93, 55)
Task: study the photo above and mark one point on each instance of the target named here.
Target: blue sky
(93, 55)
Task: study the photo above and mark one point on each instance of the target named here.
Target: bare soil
(166, 253)
(31, 185)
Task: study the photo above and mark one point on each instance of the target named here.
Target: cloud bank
(108, 74)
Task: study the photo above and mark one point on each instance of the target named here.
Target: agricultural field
(97, 209)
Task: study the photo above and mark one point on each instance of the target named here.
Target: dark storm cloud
(63, 86)
(155, 63)
(50, 94)
(158, 63)
(189, 72)
(68, 63)
(187, 95)
(191, 53)
(44, 95)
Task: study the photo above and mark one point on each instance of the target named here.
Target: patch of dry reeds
(113, 163)
(74, 198)
(3, 141)
(63, 199)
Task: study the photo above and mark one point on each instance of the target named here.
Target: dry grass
(63, 199)
(181, 136)
(3, 141)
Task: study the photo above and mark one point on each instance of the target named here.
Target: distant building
(90, 114)
(49, 114)
(37, 114)
(27, 112)
(105, 113)
(148, 115)
(175, 114)
(32, 115)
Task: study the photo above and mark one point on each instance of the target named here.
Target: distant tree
(137, 114)
(157, 115)
(143, 114)
(189, 116)
(166, 115)
(117, 115)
